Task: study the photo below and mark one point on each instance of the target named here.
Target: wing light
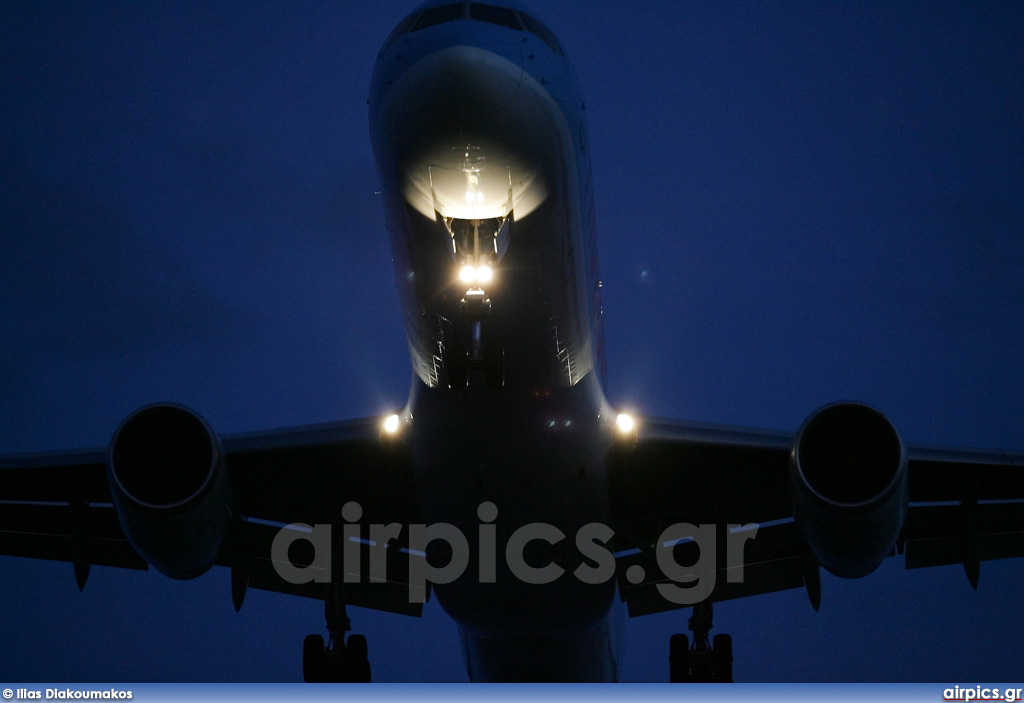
(624, 424)
(391, 423)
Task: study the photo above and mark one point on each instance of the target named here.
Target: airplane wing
(959, 507)
(59, 506)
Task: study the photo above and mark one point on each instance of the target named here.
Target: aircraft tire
(356, 646)
(313, 659)
(722, 647)
(679, 659)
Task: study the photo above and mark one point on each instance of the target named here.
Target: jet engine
(849, 478)
(170, 488)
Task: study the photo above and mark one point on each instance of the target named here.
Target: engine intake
(170, 488)
(849, 480)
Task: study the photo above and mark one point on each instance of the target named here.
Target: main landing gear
(702, 663)
(338, 661)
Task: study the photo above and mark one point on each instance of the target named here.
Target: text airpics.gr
(596, 566)
(979, 693)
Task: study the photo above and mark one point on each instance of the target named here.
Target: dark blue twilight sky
(797, 203)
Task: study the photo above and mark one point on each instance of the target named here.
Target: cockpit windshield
(502, 16)
(536, 28)
(479, 11)
(439, 15)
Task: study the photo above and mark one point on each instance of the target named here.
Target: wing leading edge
(962, 507)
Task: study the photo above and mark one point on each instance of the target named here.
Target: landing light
(469, 274)
(624, 423)
(391, 424)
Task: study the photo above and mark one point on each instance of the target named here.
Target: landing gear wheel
(313, 659)
(679, 659)
(358, 663)
(347, 663)
(360, 672)
(722, 649)
(356, 646)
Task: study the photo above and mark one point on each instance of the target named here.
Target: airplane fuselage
(479, 134)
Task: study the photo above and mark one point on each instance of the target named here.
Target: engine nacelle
(170, 488)
(849, 479)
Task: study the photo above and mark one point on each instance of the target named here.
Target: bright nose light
(391, 424)
(624, 423)
(468, 274)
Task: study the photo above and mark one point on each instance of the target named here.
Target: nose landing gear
(474, 343)
(475, 352)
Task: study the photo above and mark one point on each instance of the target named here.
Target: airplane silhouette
(474, 378)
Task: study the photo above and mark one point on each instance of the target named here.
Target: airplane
(475, 377)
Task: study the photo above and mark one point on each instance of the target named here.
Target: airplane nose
(467, 129)
(455, 88)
